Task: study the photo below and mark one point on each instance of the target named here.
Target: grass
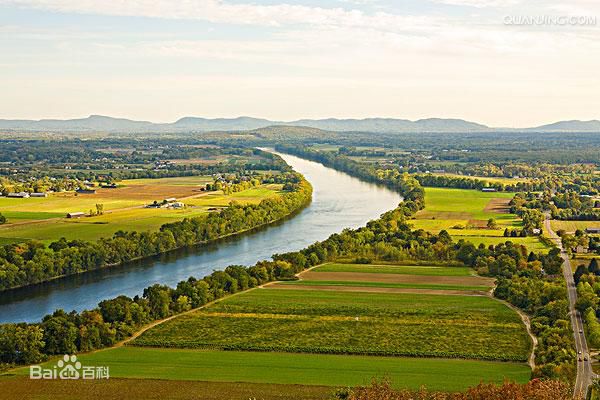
(385, 285)
(318, 321)
(572, 226)
(29, 215)
(304, 369)
(427, 270)
(447, 208)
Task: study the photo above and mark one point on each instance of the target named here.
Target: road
(585, 374)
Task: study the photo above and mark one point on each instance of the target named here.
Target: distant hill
(570, 126)
(92, 123)
(391, 125)
(99, 123)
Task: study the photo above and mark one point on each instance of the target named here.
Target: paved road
(585, 374)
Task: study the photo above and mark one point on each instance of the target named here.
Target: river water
(339, 201)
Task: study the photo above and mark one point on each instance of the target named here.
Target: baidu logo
(68, 368)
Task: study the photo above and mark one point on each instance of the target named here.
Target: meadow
(44, 218)
(337, 322)
(464, 214)
(300, 370)
(427, 270)
(572, 226)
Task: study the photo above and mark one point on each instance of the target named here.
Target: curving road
(585, 374)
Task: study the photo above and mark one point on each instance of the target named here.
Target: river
(339, 201)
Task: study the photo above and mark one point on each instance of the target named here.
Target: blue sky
(161, 60)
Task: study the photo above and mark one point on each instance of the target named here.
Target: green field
(289, 368)
(385, 285)
(572, 226)
(320, 321)
(470, 209)
(428, 270)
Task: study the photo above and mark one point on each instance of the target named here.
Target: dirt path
(527, 322)
(396, 278)
(370, 289)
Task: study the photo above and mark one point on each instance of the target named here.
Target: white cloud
(220, 12)
(480, 3)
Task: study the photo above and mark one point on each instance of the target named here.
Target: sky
(504, 63)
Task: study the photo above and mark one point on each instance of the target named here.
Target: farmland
(44, 218)
(307, 370)
(326, 322)
(333, 336)
(572, 226)
(464, 214)
(393, 277)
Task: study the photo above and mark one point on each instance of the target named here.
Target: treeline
(32, 262)
(587, 280)
(535, 285)
(475, 183)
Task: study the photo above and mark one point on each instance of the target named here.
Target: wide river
(339, 201)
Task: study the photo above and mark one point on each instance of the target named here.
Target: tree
(586, 297)
(159, 299)
(60, 334)
(492, 224)
(579, 272)
(594, 268)
(99, 209)
(2, 219)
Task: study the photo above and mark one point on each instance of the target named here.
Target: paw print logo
(69, 367)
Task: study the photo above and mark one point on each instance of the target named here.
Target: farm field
(304, 370)
(358, 276)
(121, 213)
(351, 322)
(332, 336)
(471, 209)
(572, 226)
(155, 389)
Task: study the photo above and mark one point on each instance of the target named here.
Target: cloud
(480, 3)
(218, 12)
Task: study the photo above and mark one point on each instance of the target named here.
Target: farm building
(593, 230)
(170, 200)
(19, 195)
(86, 191)
(177, 204)
(75, 215)
(488, 190)
(39, 194)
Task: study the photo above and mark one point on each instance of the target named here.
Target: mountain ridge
(102, 123)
